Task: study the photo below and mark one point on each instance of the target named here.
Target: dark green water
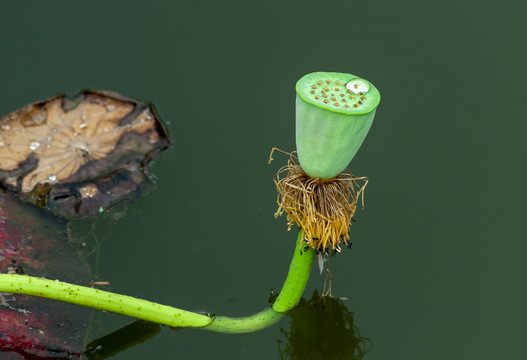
(438, 266)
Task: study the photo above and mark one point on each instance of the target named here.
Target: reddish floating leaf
(30, 327)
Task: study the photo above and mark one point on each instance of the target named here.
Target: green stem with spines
(288, 298)
(167, 315)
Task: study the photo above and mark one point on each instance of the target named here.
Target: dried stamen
(323, 209)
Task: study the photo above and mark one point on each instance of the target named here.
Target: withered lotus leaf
(82, 154)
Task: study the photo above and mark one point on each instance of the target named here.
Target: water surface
(437, 269)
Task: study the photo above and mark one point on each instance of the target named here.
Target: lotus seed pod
(334, 112)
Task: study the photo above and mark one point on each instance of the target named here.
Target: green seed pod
(334, 112)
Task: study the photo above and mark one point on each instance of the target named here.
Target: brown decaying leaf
(76, 154)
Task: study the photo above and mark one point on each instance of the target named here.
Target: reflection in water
(323, 328)
(122, 339)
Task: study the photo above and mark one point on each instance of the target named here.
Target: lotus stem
(101, 300)
(167, 315)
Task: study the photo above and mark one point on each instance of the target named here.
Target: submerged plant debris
(79, 155)
(322, 208)
(32, 327)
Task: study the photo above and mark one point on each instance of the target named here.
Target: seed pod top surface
(338, 92)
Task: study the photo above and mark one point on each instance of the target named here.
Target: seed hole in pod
(324, 96)
(336, 104)
(358, 86)
(327, 89)
(355, 105)
(343, 100)
(333, 99)
(326, 101)
(312, 91)
(317, 97)
(346, 106)
(319, 82)
(328, 82)
(337, 83)
(360, 102)
(341, 95)
(313, 86)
